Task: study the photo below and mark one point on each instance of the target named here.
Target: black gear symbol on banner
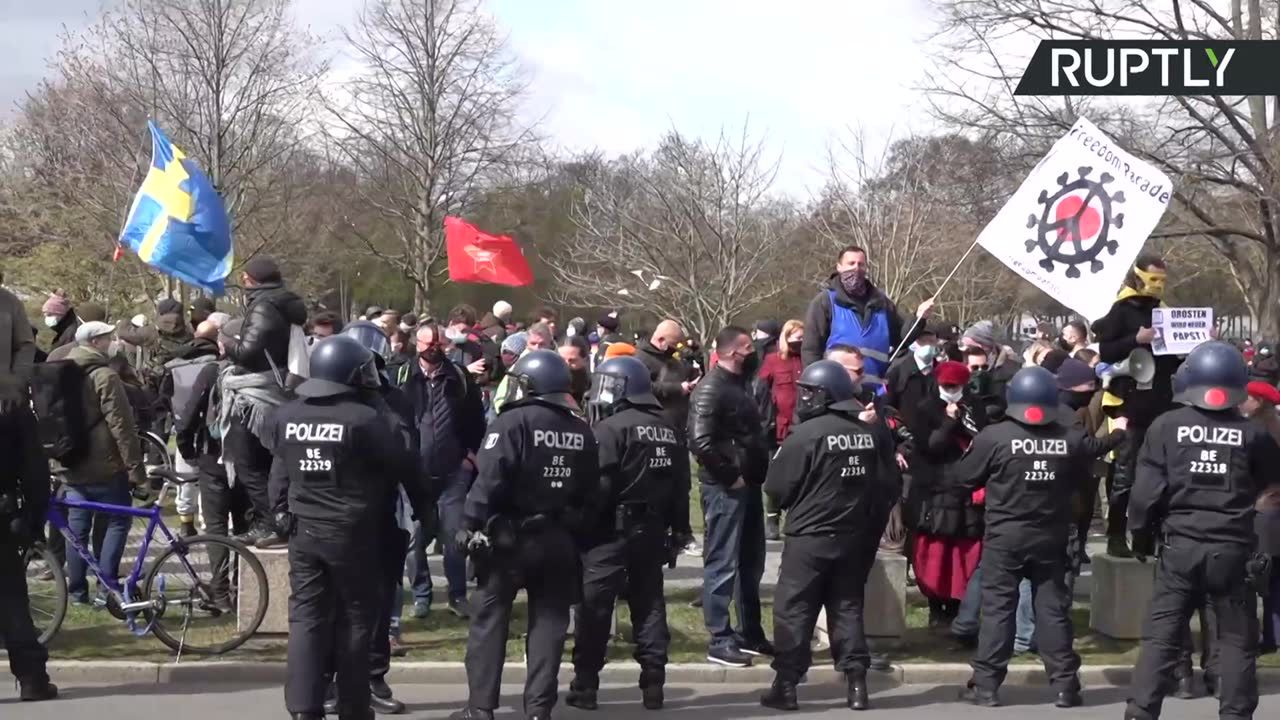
(1052, 233)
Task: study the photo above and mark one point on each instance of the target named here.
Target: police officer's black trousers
(543, 564)
(1189, 573)
(335, 593)
(27, 657)
(636, 564)
(396, 545)
(1002, 571)
(822, 571)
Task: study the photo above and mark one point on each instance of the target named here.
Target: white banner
(1079, 220)
(1180, 330)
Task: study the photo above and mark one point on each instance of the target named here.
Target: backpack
(59, 397)
(182, 375)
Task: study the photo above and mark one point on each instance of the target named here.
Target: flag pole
(916, 324)
(117, 251)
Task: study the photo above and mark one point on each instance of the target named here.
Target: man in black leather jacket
(272, 312)
(726, 436)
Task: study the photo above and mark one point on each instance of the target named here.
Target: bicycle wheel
(47, 588)
(155, 451)
(210, 595)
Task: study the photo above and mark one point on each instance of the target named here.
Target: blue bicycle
(205, 594)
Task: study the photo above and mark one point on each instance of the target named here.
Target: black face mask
(1075, 399)
(750, 364)
(433, 356)
(980, 382)
(794, 347)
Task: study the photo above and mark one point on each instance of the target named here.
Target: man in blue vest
(851, 311)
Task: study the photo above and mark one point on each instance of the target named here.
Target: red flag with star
(475, 256)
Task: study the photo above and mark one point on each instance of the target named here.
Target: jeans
(115, 492)
(733, 563)
(967, 620)
(449, 510)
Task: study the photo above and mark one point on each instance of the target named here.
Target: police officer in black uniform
(1027, 464)
(337, 461)
(24, 498)
(1198, 476)
(643, 473)
(395, 540)
(837, 480)
(538, 479)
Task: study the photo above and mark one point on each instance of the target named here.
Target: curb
(116, 672)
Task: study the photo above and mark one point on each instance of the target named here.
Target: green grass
(95, 635)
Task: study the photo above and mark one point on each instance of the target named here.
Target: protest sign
(1180, 330)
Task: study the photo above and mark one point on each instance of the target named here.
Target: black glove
(284, 523)
(1144, 545)
(676, 543)
(1258, 573)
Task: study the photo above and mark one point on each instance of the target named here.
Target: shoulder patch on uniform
(491, 441)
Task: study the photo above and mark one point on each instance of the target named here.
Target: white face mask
(51, 320)
(950, 397)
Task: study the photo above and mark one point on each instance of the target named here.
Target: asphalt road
(706, 702)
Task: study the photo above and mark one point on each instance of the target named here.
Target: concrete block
(885, 603)
(115, 672)
(1122, 590)
(275, 564)
(223, 671)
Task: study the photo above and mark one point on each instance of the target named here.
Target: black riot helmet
(340, 364)
(1032, 397)
(617, 383)
(539, 376)
(1215, 377)
(823, 384)
(370, 336)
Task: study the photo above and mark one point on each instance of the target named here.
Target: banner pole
(902, 343)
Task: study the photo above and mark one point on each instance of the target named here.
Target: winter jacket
(479, 347)
(817, 320)
(726, 435)
(906, 386)
(113, 435)
(64, 333)
(196, 348)
(272, 312)
(946, 506)
(448, 414)
(494, 328)
(668, 373)
(1116, 333)
(778, 375)
(17, 341)
(192, 427)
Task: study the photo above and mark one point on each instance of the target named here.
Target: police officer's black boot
(306, 716)
(977, 696)
(1132, 712)
(782, 696)
(1211, 684)
(37, 690)
(471, 713)
(1069, 699)
(651, 682)
(857, 696)
(381, 699)
(581, 696)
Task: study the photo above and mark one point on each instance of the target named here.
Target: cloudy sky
(615, 74)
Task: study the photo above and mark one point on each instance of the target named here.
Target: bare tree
(428, 123)
(688, 232)
(1220, 150)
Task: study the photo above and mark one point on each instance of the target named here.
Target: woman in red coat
(775, 392)
(949, 527)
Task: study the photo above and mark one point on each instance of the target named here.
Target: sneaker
(880, 662)
(1118, 547)
(729, 657)
(781, 696)
(977, 696)
(188, 529)
(581, 698)
(458, 606)
(274, 540)
(256, 533)
(421, 609)
(692, 549)
(1069, 699)
(758, 648)
(772, 531)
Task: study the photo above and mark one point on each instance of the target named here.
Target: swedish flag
(177, 223)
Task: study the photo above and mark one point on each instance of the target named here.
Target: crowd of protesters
(209, 380)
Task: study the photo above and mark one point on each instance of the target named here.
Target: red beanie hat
(1264, 391)
(952, 373)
